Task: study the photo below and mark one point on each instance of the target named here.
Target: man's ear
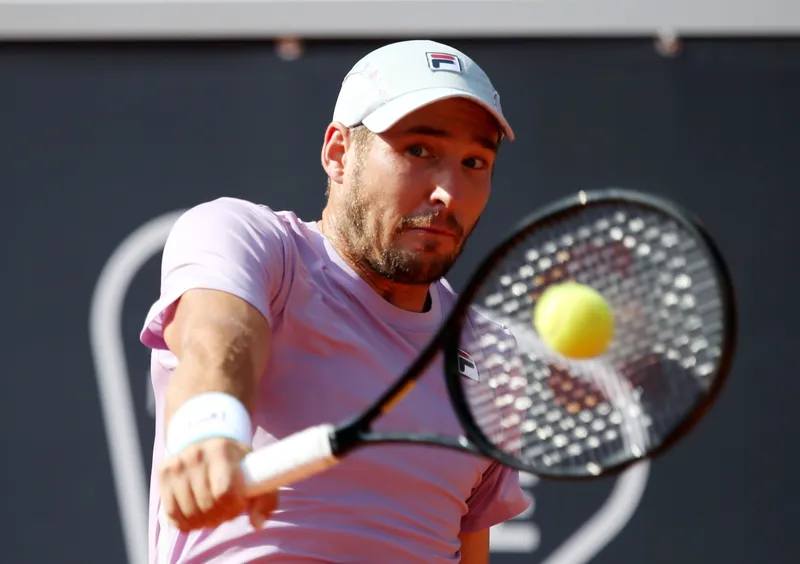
(334, 151)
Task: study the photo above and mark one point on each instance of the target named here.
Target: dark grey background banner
(98, 140)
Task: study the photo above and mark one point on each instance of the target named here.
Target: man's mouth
(433, 231)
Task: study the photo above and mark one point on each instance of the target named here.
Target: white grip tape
(294, 458)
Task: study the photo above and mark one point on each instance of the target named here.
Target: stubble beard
(362, 231)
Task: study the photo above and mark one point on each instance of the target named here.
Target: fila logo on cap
(443, 62)
(467, 366)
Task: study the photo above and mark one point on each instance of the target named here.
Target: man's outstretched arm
(222, 343)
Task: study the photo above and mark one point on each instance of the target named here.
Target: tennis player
(267, 323)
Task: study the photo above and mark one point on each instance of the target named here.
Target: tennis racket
(532, 409)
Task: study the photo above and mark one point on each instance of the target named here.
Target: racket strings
(551, 411)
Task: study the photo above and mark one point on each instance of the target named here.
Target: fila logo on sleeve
(443, 62)
(467, 366)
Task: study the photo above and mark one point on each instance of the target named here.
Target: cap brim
(391, 112)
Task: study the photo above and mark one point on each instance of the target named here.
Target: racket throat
(349, 436)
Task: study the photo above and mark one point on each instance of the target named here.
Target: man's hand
(222, 343)
(202, 486)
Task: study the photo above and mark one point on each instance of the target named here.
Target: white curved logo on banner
(131, 484)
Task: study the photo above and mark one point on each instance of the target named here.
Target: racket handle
(294, 458)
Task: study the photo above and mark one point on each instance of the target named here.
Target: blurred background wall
(115, 115)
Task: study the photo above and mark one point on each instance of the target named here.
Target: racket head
(631, 372)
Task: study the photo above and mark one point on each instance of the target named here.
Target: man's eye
(476, 163)
(418, 151)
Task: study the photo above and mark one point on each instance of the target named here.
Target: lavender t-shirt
(336, 345)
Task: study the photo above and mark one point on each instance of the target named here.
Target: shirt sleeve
(229, 245)
(497, 499)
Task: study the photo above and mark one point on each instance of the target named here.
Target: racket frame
(554, 212)
(356, 432)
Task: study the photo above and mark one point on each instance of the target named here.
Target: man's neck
(408, 297)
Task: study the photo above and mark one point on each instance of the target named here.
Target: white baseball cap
(398, 79)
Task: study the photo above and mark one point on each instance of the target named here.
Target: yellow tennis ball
(574, 320)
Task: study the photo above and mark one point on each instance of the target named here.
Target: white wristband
(209, 415)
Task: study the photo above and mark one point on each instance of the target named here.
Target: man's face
(414, 193)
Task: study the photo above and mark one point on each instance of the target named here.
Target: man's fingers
(203, 486)
(169, 476)
(226, 480)
(173, 511)
(184, 496)
(197, 474)
(261, 508)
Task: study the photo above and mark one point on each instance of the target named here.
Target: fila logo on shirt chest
(467, 366)
(443, 62)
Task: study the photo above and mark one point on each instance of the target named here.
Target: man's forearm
(213, 360)
(190, 380)
(222, 345)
